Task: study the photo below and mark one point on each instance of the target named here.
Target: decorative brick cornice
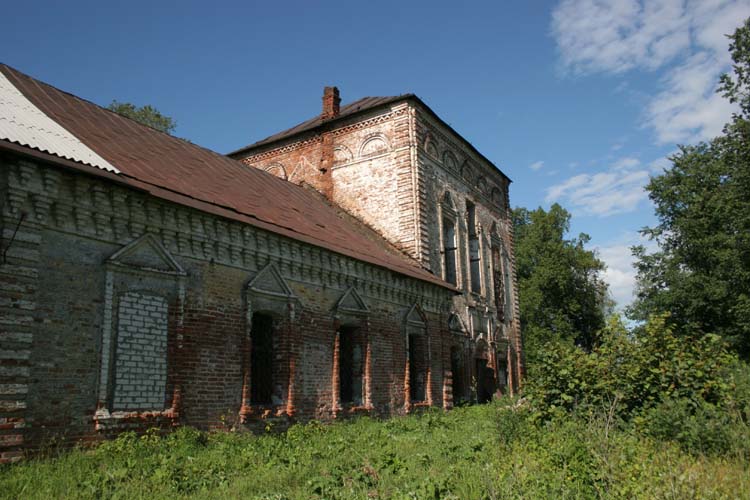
(110, 213)
(316, 137)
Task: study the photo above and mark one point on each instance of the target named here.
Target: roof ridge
(317, 121)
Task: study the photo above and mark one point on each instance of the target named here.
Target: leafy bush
(632, 372)
(698, 427)
(668, 385)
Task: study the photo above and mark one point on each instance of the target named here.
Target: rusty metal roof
(182, 172)
(350, 109)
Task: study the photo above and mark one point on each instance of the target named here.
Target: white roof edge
(23, 123)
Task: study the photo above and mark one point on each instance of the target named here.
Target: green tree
(700, 273)
(147, 115)
(561, 294)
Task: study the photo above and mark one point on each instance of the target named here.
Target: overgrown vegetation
(500, 450)
(660, 410)
(563, 298)
(662, 383)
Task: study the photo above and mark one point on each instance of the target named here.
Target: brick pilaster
(19, 257)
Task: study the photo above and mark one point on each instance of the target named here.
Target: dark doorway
(261, 359)
(417, 367)
(350, 365)
(458, 375)
(485, 381)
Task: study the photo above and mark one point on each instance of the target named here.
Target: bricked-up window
(474, 253)
(261, 359)
(449, 250)
(351, 366)
(141, 357)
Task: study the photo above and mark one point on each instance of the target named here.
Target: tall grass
(480, 452)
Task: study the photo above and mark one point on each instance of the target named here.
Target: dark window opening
(449, 250)
(502, 373)
(474, 254)
(261, 362)
(507, 282)
(417, 367)
(458, 375)
(497, 283)
(485, 381)
(350, 366)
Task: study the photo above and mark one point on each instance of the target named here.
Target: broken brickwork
(134, 322)
(400, 169)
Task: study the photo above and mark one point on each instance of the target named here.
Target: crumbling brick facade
(403, 171)
(91, 260)
(146, 282)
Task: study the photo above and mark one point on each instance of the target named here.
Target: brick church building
(359, 263)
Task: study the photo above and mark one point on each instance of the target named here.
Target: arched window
(266, 380)
(351, 352)
(449, 240)
(475, 259)
(497, 272)
(373, 146)
(276, 169)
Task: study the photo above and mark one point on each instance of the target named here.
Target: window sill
(418, 406)
(104, 419)
(261, 412)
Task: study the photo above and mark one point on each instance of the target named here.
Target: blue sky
(578, 101)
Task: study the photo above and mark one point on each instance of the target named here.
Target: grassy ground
(480, 452)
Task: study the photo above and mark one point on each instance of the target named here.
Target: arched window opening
(497, 282)
(508, 303)
(449, 250)
(261, 361)
(474, 251)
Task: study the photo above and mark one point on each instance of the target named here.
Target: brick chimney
(331, 101)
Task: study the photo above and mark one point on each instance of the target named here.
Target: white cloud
(536, 165)
(626, 163)
(689, 109)
(614, 36)
(620, 273)
(685, 38)
(619, 189)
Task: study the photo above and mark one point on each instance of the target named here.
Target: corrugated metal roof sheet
(185, 173)
(25, 124)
